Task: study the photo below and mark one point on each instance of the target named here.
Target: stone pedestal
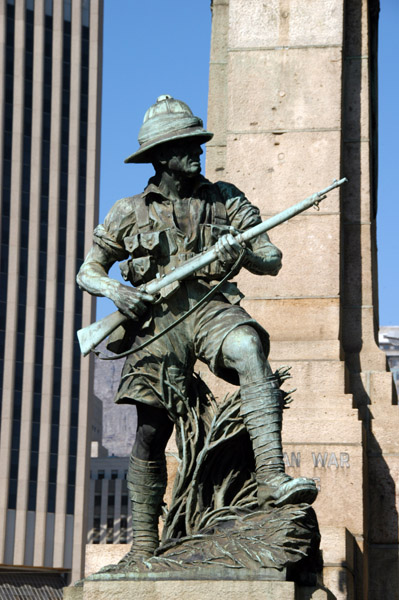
(194, 589)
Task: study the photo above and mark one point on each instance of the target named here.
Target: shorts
(199, 336)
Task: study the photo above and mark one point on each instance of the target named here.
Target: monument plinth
(195, 588)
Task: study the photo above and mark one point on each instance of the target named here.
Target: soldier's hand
(130, 301)
(228, 249)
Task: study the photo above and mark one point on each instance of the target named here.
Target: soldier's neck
(176, 185)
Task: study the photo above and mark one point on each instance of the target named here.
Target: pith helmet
(166, 120)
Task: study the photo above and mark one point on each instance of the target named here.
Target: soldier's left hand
(228, 248)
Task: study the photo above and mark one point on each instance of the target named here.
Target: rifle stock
(89, 337)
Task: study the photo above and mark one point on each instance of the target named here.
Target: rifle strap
(184, 316)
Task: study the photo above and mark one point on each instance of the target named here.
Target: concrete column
(117, 510)
(3, 18)
(104, 509)
(13, 266)
(371, 384)
(69, 285)
(51, 287)
(88, 307)
(217, 106)
(90, 512)
(3, 33)
(32, 286)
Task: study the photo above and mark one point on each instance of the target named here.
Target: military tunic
(151, 234)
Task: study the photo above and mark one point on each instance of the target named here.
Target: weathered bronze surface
(91, 335)
(233, 505)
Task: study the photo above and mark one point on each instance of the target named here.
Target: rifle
(90, 336)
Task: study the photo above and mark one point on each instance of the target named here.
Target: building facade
(50, 73)
(388, 339)
(109, 518)
(119, 421)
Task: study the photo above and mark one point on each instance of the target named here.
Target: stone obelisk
(293, 104)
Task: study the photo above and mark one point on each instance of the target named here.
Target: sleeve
(263, 257)
(118, 224)
(240, 212)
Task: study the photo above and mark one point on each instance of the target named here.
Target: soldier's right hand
(130, 301)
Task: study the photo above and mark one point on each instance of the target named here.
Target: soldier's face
(183, 157)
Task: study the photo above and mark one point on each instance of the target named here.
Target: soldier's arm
(93, 277)
(261, 257)
(264, 258)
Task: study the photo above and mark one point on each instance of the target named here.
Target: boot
(261, 410)
(146, 482)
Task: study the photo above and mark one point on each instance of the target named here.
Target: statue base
(251, 586)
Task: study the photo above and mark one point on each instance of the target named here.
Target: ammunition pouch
(156, 253)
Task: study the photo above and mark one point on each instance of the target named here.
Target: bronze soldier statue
(180, 214)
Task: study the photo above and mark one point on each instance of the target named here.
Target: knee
(242, 346)
(151, 437)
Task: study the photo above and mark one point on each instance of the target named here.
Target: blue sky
(388, 180)
(157, 47)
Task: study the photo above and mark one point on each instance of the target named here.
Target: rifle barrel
(89, 337)
(203, 260)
